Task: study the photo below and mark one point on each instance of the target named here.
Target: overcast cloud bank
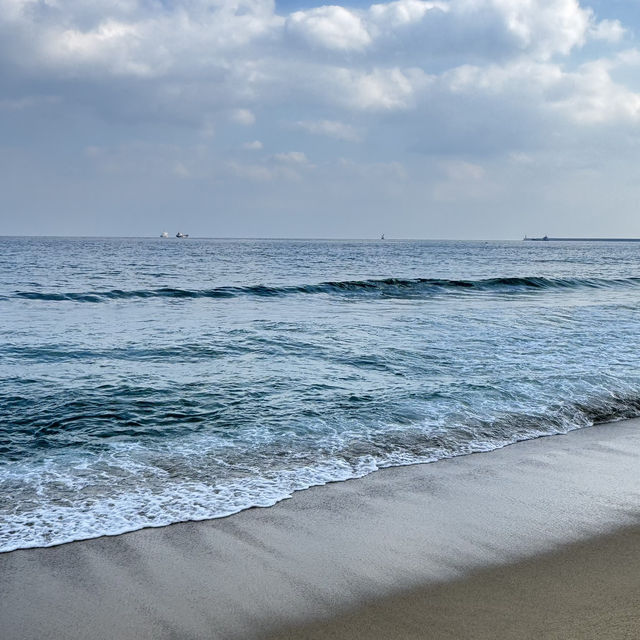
(464, 118)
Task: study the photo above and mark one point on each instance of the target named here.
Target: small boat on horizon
(164, 234)
(182, 235)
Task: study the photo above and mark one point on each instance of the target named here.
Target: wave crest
(387, 287)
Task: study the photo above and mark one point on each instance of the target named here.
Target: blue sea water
(151, 381)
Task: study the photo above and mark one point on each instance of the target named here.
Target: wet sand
(536, 540)
(584, 591)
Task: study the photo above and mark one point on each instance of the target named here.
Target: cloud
(281, 166)
(609, 30)
(331, 27)
(586, 95)
(462, 181)
(382, 89)
(543, 27)
(402, 12)
(225, 57)
(330, 128)
(255, 172)
(463, 171)
(111, 43)
(122, 38)
(373, 171)
(424, 88)
(590, 96)
(291, 157)
(243, 116)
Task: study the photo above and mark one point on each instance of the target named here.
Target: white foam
(119, 492)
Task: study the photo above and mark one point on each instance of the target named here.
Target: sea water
(150, 381)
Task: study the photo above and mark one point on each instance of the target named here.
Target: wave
(95, 417)
(138, 494)
(387, 287)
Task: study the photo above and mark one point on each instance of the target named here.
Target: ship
(164, 234)
(548, 239)
(182, 235)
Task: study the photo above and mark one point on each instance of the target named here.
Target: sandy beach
(536, 540)
(584, 590)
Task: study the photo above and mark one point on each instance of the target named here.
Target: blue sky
(443, 119)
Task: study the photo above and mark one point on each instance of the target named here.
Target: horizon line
(325, 239)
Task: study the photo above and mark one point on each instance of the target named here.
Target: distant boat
(547, 238)
(164, 234)
(182, 235)
(382, 237)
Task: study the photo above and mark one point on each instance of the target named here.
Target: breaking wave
(111, 498)
(387, 287)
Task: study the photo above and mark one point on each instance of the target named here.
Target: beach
(585, 590)
(539, 539)
(319, 321)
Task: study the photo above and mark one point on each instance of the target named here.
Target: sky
(461, 119)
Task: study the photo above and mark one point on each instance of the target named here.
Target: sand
(584, 591)
(536, 540)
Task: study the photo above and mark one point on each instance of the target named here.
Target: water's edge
(355, 476)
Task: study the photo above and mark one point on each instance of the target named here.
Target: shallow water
(148, 381)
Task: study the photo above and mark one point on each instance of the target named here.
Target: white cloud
(291, 157)
(521, 76)
(627, 57)
(331, 27)
(457, 79)
(286, 166)
(373, 171)
(463, 181)
(243, 116)
(588, 95)
(591, 96)
(217, 58)
(609, 30)
(519, 158)
(133, 37)
(382, 89)
(330, 128)
(253, 172)
(402, 12)
(544, 27)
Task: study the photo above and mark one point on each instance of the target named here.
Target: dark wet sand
(536, 540)
(588, 590)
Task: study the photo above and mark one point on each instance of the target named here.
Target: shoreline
(335, 548)
(284, 497)
(287, 496)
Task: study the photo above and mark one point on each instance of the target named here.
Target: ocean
(150, 381)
